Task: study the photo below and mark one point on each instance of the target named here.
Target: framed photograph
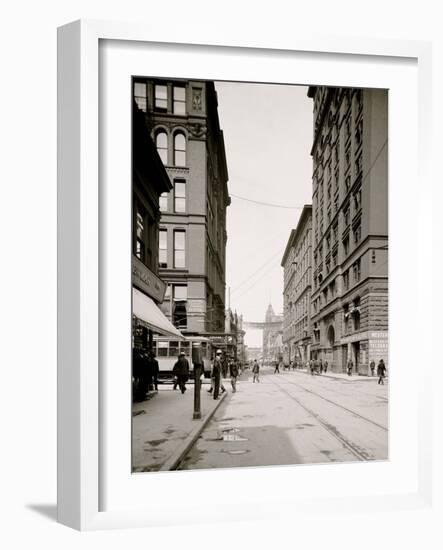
(233, 259)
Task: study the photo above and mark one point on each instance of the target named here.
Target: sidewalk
(340, 375)
(163, 429)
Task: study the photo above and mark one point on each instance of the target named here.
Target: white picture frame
(84, 444)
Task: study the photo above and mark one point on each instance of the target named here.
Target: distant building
(150, 180)
(253, 353)
(297, 269)
(350, 226)
(183, 120)
(272, 336)
(241, 347)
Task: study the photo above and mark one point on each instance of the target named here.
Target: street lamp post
(197, 360)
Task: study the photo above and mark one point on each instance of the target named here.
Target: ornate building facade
(350, 227)
(297, 277)
(183, 121)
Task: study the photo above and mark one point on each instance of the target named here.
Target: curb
(348, 379)
(173, 462)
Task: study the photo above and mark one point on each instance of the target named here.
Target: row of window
(161, 103)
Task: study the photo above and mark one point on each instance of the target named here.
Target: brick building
(350, 226)
(297, 278)
(183, 120)
(149, 181)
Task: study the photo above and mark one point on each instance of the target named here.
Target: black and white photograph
(259, 274)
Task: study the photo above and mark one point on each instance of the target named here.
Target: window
(356, 271)
(179, 100)
(140, 95)
(346, 216)
(161, 97)
(163, 248)
(346, 318)
(140, 246)
(161, 142)
(179, 196)
(357, 233)
(179, 310)
(357, 200)
(162, 349)
(346, 246)
(179, 248)
(163, 202)
(179, 150)
(346, 280)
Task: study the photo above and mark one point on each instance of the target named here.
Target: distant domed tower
(270, 332)
(270, 313)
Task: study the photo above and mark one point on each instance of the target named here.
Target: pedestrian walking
(181, 372)
(372, 367)
(216, 373)
(381, 372)
(350, 366)
(256, 371)
(325, 367)
(321, 366)
(233, 371)
(276, 369)
(154, 369)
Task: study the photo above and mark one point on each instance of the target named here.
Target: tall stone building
(183, 120)
(297, 277)
(350, 226)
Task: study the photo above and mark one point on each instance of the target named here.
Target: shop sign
(147, 281)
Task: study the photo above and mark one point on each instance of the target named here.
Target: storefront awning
(150, 315)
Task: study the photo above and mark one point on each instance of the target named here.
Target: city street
(295, 418)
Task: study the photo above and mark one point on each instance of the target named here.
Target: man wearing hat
(181, 371)
(216, 372)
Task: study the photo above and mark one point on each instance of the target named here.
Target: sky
(268, 137)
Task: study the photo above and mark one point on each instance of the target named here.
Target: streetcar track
(338, 405)
(361, 454)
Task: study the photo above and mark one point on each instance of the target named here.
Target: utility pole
(197, 361)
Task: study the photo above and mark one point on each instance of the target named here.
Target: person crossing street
(181, 372)
(233, 371)
(381, 372)
(255, 371)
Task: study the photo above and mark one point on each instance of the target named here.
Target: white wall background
(28, 274)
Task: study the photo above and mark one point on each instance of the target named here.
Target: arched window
(161, 142)
(179, 149)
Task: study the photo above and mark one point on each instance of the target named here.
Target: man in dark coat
(350, 366)
(381, 372)
(154, 369)
(181, 371)
(233, 371)
(216, 372)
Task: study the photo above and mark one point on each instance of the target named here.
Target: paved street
(295, 418)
